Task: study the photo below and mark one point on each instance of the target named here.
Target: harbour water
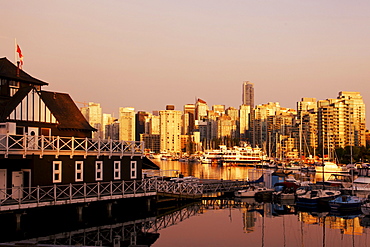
(211, 222)
(249, 223)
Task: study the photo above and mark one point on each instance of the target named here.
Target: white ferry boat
(245, 154)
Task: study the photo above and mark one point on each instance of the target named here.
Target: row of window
(57, 171)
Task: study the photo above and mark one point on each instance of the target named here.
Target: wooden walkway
(40, 196)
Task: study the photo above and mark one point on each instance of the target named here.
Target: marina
(129, 221)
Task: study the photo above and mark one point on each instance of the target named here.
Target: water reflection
(231, 222)
(211, 222)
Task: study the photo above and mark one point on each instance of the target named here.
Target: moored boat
(346, 203)
(316, 198)
(251, 191)
(244, 154)
(284, 191)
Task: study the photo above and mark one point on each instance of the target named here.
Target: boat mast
(300, 140)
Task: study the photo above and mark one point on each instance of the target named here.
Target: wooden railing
(30, 197)
(56, 145)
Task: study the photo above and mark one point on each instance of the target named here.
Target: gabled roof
(65, 111)
(10, 105)
(9, 71)
(61, 106)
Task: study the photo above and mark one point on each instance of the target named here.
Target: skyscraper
(170, 131)
(248, 94)
(127, 123)
(93, 114)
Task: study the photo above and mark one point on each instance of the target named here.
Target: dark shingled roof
(7, 107)
(61, 106)
(65, 111)
(9, 70)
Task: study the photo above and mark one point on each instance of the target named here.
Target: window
(79, 168)
(117, 170)
(57, 171)
(133, 172)
(46, 132)
(99, 170)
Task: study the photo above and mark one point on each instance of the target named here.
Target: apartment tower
(248, 94)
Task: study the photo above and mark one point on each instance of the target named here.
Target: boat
(211, 156)
(339, 180)
(362, 182)
(365, 207)
(237, 154)
(346, 203)
(284, 191)
(330, 167)
(251, 191)
(316, 197)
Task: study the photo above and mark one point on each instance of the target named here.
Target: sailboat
(347, 203)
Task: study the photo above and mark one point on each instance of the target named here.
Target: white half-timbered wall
(32, 108)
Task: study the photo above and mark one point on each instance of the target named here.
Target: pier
(40, 196)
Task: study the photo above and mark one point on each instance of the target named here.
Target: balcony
(55, 145)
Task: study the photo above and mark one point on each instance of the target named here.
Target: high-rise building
(127, 123)
(108, 120)
(219, 109)
(248, 94)
(170, 131)
(93, 114)
(188, 119)
(140, 123)
(201, 109)
(341, 121)
(244, 115)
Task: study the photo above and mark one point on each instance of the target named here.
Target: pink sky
(147, 54)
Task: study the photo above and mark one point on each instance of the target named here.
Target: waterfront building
(307, 130)
(248, 94)
(259, 122)
(270, 126)
(127, 123)
(170, 130)
(341, 121)
(226, 127)
(45, 140)
(93, 114)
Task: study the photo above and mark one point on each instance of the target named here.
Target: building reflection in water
(143, 227)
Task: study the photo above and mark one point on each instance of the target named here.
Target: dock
(40, 196)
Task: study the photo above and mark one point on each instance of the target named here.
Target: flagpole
(15, 51)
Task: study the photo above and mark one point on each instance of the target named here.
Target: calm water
(213, 222)
(249, 223)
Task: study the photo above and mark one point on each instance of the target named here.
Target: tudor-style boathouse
(46, 141)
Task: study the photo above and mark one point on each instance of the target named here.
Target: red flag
(20, 55)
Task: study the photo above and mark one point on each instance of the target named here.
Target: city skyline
(148, 55)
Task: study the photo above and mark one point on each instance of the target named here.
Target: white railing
(26, 197)
(29, 197)
(188, 189)
(56, 145)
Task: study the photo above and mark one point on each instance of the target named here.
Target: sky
(149, 54)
